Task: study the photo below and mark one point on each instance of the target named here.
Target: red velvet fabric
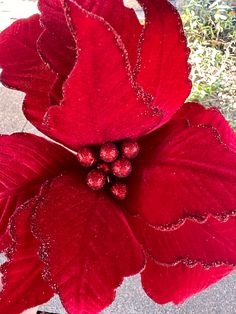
(196, 114)
(120, 99)
(179, 173)
(56, 44)
(163, 68)
(87, 244)
(177, 283)
(26, 161)
(23, 68)
(209, 243)
(23, 285)
(91, 107)
(93, 74)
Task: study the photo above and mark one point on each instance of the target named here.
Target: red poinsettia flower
(142, 182)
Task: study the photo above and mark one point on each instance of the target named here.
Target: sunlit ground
(11, 10)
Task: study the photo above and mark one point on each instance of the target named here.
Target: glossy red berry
(96, 179)
(130, 149)
(121, 168)
(119, 190)
(86, 157)
(109, 152)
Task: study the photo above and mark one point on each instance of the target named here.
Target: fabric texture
(92, 74)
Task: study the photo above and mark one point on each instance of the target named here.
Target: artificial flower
(139, 182)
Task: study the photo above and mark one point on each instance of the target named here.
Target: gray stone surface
(218, 299)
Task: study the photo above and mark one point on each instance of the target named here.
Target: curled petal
(96, 237)
(163, 68)
(102, 102)
(196, 114)
(26, 161)
(57, 39)
(183, 172)
(24, 70)
(56, 44)
(70, 101)
(122, 19)
(23, 285)
(177, 283)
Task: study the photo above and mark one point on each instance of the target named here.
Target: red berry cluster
(110, 165)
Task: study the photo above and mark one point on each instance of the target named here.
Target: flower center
(109, 166)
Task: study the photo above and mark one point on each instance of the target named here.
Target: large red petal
(57, 45)
(196, 114)
(177, 283)
(101, 100)
(99, 245)
(23, 285)
(163, 66)
(210, 243)
(25, 162)
(24, 70)
(183, 172)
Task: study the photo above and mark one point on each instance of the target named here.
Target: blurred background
(210, 27)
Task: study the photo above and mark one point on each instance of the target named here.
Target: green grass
(210, 27)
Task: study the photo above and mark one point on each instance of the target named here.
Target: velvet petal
(210, 243)
(101, 101)
(122, 19)
(183, 172)
(87, 244)
(177, 283)
(23, 285)
(24, 70)
(26, 161)
(56, 44)
(164, 54)
(196, 114)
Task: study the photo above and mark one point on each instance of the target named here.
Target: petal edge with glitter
(163, 67)
(26, 161)
(177, 283)
(101, 102)
(24, 70)
(183, 172)
(209, 243)
(196, 114)
(23, 284)
(92, 230)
